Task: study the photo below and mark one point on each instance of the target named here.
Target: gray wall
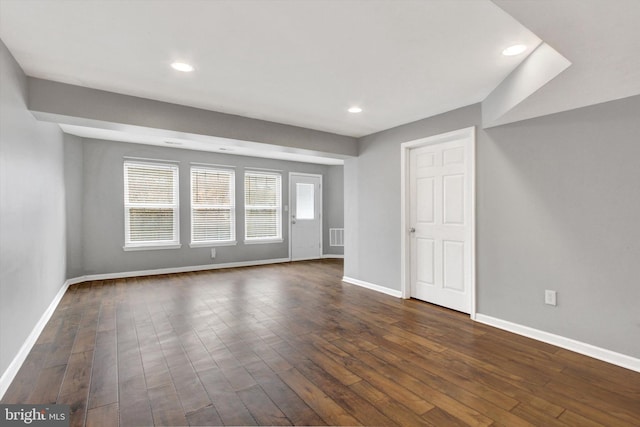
(64, 103)
(558, 200)
(372, 186)
(32, 212)
(558, 208)
(74, 183)
(333, 206)
(103, 208)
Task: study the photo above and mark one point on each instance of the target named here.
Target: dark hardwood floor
(291, 344)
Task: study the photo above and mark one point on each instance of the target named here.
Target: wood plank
(47, 387)
(165, 406)
(377, 379)
(322, 404)
(75, 387)
(295, 409)
(436, 398)
(443, 379)
(262, 408)
(136, 414)
(230, 407)
(292, 344)
(536, 416)
(355, 405)
(24, 382)
(573, 419)
(107, 415)
(104, 376)
(207, 416)
(390, 407)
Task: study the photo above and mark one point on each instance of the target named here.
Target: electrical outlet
(213, 252)
(550, 297)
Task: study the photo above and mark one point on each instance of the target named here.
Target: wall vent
(336, 237)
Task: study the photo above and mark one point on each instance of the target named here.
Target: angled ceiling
(601, 39)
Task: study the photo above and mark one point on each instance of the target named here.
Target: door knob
(412, 230)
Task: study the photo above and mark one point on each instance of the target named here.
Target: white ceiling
(601, 38)
(296, 62)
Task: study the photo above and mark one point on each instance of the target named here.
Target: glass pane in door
(305, 200)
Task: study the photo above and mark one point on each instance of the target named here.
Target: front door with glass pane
(305, 216)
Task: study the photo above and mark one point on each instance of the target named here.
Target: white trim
(76, 280)
(469, 134)
(174, 167)
(337, 256)
(9, 374)
(599, 353)
(264, 170)
(171, 270)
(261, 241)
(373, 287)
(154, 247)
(231, 207)
(279, 208)
(212, 244)
(212, 165)
(320, 210)
(305, 174)
(405, 265)
(150, 161)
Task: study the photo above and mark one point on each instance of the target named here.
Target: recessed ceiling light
(355, 110)
(516, 49)
(181, 66)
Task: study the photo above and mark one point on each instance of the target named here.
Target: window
(305, 201)
(150, 205)
(213, 207)
(263, 207)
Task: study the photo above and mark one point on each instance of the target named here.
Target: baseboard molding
(567, 343)
(333, 256)
(9, 374)
(15, 365)
(372, 286)
(172, 270)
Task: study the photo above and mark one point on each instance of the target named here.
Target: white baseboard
(15, 365)
(9, 374)
(567, 343)
(333, 256)
(172, 270)
(373, 287)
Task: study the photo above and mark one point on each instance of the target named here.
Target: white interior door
(306, 221)
(440, 221)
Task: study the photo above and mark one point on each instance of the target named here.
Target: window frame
(232, 207)
(261, 240)
(175, 206)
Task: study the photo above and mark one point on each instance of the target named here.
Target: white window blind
(150, 204)
(263, 206)
(213, 207)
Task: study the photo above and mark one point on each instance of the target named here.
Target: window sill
(151, 247)
(261, 241)
(211, 244)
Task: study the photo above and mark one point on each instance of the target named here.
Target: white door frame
(317, 175)
(468, 134)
